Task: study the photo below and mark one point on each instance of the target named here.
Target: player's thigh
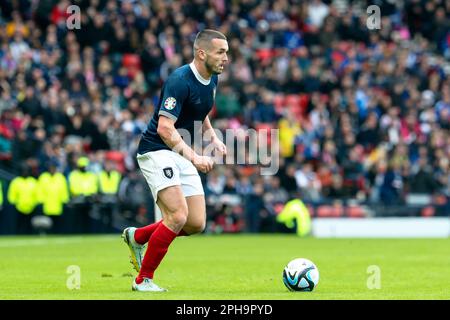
(196, 214)
(192, 187)
(160, 170)
(162, 174)
(173, 206)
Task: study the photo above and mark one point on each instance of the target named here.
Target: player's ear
(202, 54)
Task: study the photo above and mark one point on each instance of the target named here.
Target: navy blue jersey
(185, 97)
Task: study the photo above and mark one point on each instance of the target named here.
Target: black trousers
(81, 218)
(24, 223)
(58, 224)
(106, 217)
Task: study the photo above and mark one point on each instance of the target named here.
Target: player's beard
(212, 68)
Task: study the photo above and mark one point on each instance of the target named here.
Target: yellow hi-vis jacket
(295, 210)
(109, 183)
(83, 183)
(22, 193)
(52, 193)
(288, 131)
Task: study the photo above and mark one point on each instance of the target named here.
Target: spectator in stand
(392, 185)
(423, 181)
(254, 207)
(287, 178)
(308, 183)
(274, 194)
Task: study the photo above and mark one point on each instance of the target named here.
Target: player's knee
(200, 227)
(178, 217)
(197, 227)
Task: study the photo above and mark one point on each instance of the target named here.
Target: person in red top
(59, 13)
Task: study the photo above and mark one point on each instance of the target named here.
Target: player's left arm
(218, 144)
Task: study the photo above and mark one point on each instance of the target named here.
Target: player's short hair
(204, 38)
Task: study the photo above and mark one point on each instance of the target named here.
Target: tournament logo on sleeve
(170, 103)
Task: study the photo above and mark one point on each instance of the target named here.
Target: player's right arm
(171, 137)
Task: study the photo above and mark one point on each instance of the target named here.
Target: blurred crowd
(362, 114)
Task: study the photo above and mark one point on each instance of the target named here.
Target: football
(301, 275)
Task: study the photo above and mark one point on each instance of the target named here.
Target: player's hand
(219, 146)
(203, 163)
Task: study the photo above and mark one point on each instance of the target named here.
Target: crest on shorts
(170, 103)
(168, 172)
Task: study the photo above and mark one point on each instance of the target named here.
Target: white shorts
(165, 168)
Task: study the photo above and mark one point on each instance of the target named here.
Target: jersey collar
(198, 76)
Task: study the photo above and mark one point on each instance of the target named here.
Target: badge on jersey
(170, 103)
(168, 172)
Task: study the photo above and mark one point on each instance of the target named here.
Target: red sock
(141, 235)
(158, 245)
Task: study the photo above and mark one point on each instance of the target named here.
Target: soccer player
(169, 164)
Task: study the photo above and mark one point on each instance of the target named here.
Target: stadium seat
(440, 200)
(293, 100)
(278, 102)
(118, 157)
(355, 212)
(247, 170)
(338, 211)
(326, 211)
(428, 211)
(304, 100)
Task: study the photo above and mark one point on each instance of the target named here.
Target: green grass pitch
(225, 267)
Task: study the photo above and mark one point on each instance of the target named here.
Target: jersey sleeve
(175, 93)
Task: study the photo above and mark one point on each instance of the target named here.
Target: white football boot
(137, 251)
(147, 286)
